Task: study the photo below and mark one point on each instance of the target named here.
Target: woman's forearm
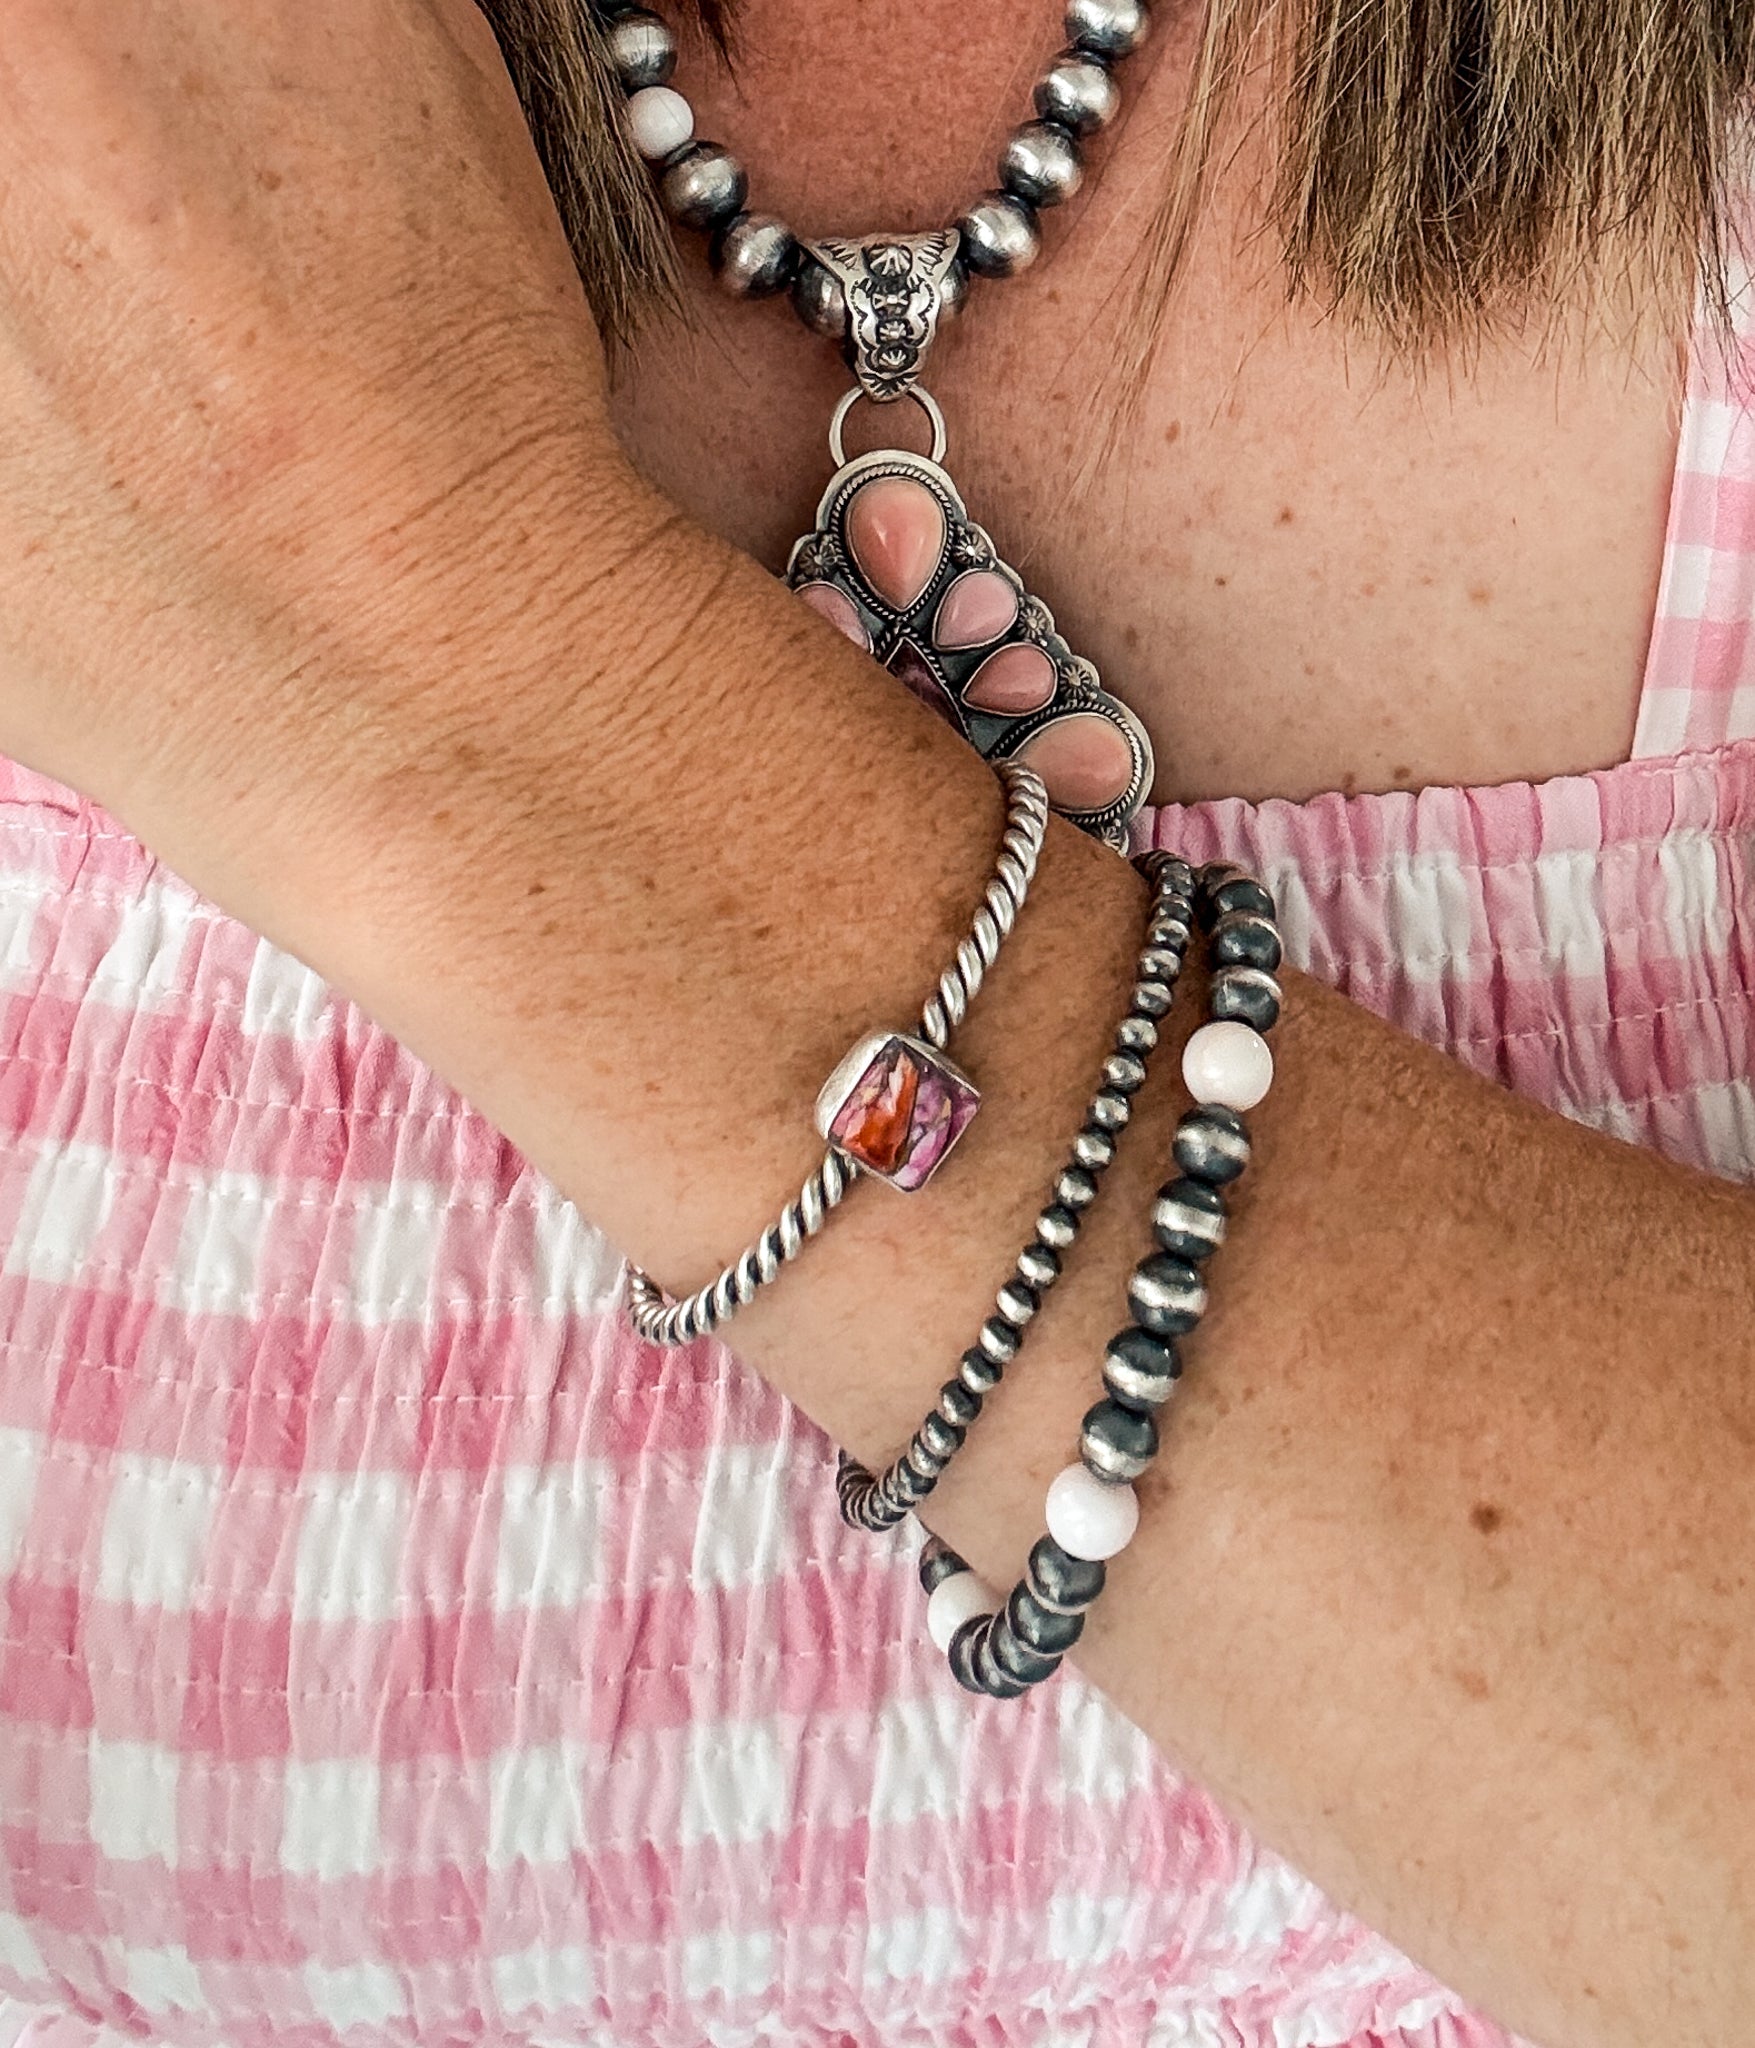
(1444, 1578)
(316, 566)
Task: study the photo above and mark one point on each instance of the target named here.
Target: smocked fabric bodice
(393, 1650)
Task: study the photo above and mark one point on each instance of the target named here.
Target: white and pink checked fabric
(393, 1651)
(1700, 674)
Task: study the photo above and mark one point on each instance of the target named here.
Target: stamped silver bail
(898, 288)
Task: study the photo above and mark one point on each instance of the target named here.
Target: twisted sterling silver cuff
(874, 1062)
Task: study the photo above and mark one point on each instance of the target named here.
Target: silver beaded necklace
(895, 562)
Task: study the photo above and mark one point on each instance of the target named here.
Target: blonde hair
(1441, 162)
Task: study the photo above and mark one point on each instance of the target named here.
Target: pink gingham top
(392, 1650)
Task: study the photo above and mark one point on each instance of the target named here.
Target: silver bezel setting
(824, 557)
(838, 1090)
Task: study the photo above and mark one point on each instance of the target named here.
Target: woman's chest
(1305, 567)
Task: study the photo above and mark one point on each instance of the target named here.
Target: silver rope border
(661, 1320)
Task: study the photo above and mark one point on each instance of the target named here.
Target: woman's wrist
(473, 663)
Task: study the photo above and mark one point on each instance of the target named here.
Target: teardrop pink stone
(1015, 680)
(977, 608)
(1085, 761)
(839, 609)
(896, 531)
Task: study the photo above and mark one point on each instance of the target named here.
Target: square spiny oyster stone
(896, 1107)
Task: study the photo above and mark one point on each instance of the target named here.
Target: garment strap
(1699, 690)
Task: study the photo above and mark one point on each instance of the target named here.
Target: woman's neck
(1305, 567)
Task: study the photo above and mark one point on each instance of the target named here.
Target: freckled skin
(1468, 572)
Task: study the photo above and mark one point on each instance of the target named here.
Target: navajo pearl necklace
(895, 561)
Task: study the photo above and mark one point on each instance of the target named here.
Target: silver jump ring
(941, 439)
(660, 1318)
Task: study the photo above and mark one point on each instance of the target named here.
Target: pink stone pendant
(896, 1107)
(900, 568)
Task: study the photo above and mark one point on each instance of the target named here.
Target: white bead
(957, 1600)
(1089, 1519)
(661, 121)
(1228, 1064)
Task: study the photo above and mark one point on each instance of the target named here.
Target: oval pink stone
(1085, 761)
(839, 609)
(1015, 680)
(896, 533)
(977, 608)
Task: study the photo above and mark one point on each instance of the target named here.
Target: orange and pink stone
(839, 609)
(897, 1107)
(1016, 680)
(975, 611)
(1084, 761)
(897, 534)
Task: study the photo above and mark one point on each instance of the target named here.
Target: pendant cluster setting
(895, 562)
(898, 566)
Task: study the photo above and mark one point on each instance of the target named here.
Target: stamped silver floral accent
(895, 291)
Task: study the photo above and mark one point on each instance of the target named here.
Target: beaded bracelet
(884, 1501)
(1092, 1509)
(894, 1106)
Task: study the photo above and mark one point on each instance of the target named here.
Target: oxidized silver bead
(1117, 1444)
(704, 187)
(643, 51)
(1107, 28)
(1042, 165)
(1093, 1149)
(1075, 1189)
(1047, 1631)
(1169, 873)
(938, 1562)
(1159, 963)
(1078, 93)
(953, 293)
(1226, 889)
(1212, 1144)
(1057, 1227)
(923, 1464)
(962, 1652)
(1170, 928)
(819, 301)
(999, 1339)
(1017, 1660)
(1137, 1034)
(1000, 236)
(1188, 1219)
(1110, 1110)
(958, 1406)
(1245, 940)
(1017, 1303)
(996, 1682)
(1124, 1072)
(1245, 995)
(1060, 1582)
(941, 1438)
(1166, 1295)
(1038, 1267)
(903, 1486)
(1140, 1370)
(755, 256)
(1152, 998)
(979, 1373)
